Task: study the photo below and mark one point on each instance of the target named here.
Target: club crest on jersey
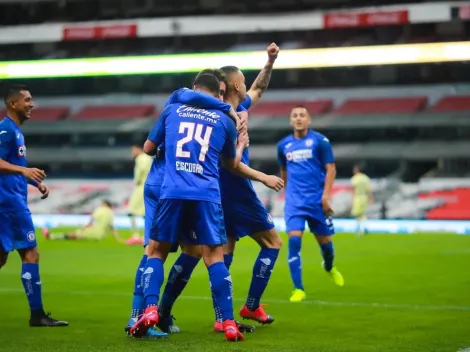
(289, 156)
(270, 218)
(309, 142)
(21, 150)
(31, 236)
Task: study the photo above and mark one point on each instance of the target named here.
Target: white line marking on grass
(270, 300)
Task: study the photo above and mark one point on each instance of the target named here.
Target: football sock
(32, 286)
(153, 279)
(295, 262)
(138, 303)
(328, 254)
(228, 258)
(221, 286)
(261, 273)
(177, 280)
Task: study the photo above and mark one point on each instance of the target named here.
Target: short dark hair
(108, 203)
(229, 69)
(300, 106)
(209, 82)
(12, 91)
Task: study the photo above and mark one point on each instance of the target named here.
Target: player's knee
(193, 251)
(268, 239)
(30, 256)
(323, 239)
(229, 247)
(296, 233)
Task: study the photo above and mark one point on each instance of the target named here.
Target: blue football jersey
(304, 160)
(233, 186)
(188, 97)
(13, 188)
(194, 140)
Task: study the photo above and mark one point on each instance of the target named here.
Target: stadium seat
(381, 105)
(453, 103)
(455, 204)
(114, 111)
(46, 113)
(283, 108)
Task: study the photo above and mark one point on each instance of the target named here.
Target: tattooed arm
(261, 82)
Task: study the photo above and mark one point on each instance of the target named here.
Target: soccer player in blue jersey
(244, 215)
(194, 140)
(308, 169)
(152, 189)
(17, 229)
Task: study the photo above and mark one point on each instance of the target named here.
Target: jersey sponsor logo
(197, 113)
(309, 142)
(21, 150)
(31, 236)
(299, 155)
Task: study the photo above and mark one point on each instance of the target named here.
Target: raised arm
(261, 82)
(281, 160)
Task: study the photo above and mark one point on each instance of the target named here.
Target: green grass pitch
(402, 293)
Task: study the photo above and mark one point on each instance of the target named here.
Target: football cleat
(335, 275)
(148, 320)
(231, 331)
(258, 315)
(43, 319)
(167, 324)
(298, 295)
(135, 240)
(218, 326)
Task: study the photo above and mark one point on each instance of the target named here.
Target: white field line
(274, 301)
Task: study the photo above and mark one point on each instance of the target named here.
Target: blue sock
(177, 280)
(221, 286)
(153, 280)
(261, 273)
(328, 253)
(295, 262)
(138, 303)
(32, 286)
(228, 258)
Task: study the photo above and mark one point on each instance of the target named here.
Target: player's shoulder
(7, 127)
(318, 136)
(286, 140)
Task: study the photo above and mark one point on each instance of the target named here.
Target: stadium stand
(453, 103)
(382, 105)
(114, 112)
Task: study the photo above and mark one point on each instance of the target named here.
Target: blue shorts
(17, 231)
(190, 221)
(318, 223)
(243, 218)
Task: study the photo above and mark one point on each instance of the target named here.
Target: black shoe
(43, 319)
(245, 327)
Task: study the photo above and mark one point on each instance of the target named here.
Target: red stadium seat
(381, 105)
(283, 108)
(110, 112)
(46, 113)
(456, 204)
(453, 103)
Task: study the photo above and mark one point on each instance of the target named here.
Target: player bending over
(190, 197)
(136, 202)
(152, 189)
(308, 169)
(17, 229)
(244, 215)
(100, 225)
(361, 199)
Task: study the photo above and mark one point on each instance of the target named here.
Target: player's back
(103, 217)
(13, 188)
(194, 140)
(305, 159)
(361, 184)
